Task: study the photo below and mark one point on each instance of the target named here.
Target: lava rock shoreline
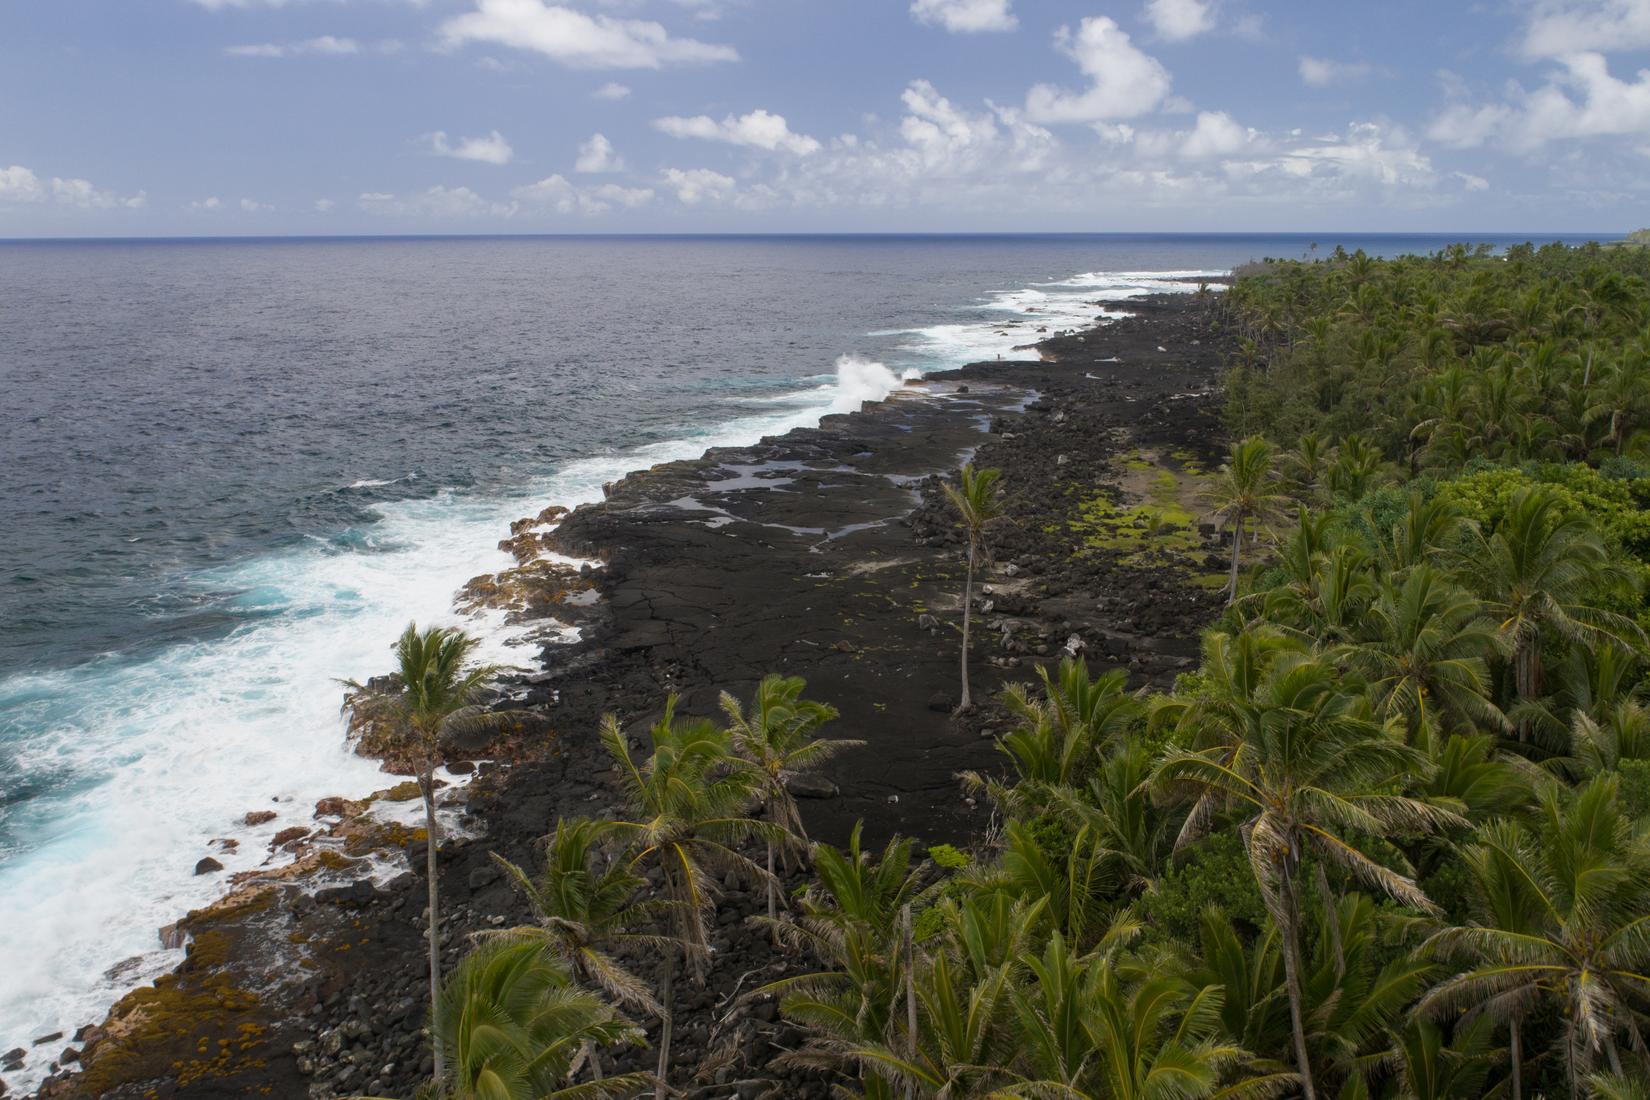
(827, 553)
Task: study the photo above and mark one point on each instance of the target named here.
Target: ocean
(232, 470)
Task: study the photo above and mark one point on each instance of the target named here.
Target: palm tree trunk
(968, 607)
(1517, 1054)
(1237, 559)
(1292, 974)
(773, 905)
(426, 783)
(667, 997)
(908, 933)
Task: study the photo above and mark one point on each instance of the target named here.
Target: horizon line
(1454, 235)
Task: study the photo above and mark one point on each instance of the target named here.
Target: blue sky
(140, 117)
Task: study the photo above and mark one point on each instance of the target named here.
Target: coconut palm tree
(1540, 572)
(776, 736)
(1296, 753)
(1563, 917)
(849, 915)
(1245, 493)
(689, 801)
(403, 719)
(516, 1024)
(585, 904)
(1422, 654)
(977, 499)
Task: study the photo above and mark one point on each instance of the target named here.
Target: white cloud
(578, 40)
(947, 140)
(1178, 20)
(1558, 28)
(966, 16)
(211, 202)
(1583, 100)
(489, 149)
(1321, 72)
(20, 185)
(696, 185)
(253, 206)
(324, 206)
(612, 90)
(557, 193)
(1215, 135)
(597, 155)
(437, 202)
(759, 129)
(1125, 82)
(326, 44)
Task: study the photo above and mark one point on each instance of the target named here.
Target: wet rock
(258, 817)
(52, 1038)
(207, 866)
(941, 702)
(287, 836)
(172, 936)
(333, 806)
(355, 894)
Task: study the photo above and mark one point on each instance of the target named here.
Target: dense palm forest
(1390, 839)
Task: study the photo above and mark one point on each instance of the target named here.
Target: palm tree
(689, 801)
(583, 909)
(1297, 753)
(403, 719)
(516, 1024)
(777, 737)
(1125, 1029)
(1422, 655)
(1564, 917)
(977, 499)
(1539, 572)
(1244, 493)
(848, 918)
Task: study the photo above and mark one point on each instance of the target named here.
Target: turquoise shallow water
(232, 470)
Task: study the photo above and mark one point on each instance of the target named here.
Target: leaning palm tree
(689, 803)
(517, 1024)
(1564, 918)
(978, 501)
(1245, 493)
(777, 737)
(1297, 753)
(584, 906)
(403, 719)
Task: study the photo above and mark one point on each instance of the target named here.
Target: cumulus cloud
(696, 185)
(1124, 81)
(966, 16)
(253, 206)
(20, 185)
(1321, 72)
(612, 90)
(489, 149)
(1583, 100)
(576, 39)
(597, 155)
(324, 206)
(1178, 20)
(211, 202)
(1215, 135)
(325, 44)
(559, 194)
(1561, 27)
(759, 129)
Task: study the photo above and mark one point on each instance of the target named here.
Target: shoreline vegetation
(1304, 753)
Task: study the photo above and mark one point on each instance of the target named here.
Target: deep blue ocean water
(230, 471)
